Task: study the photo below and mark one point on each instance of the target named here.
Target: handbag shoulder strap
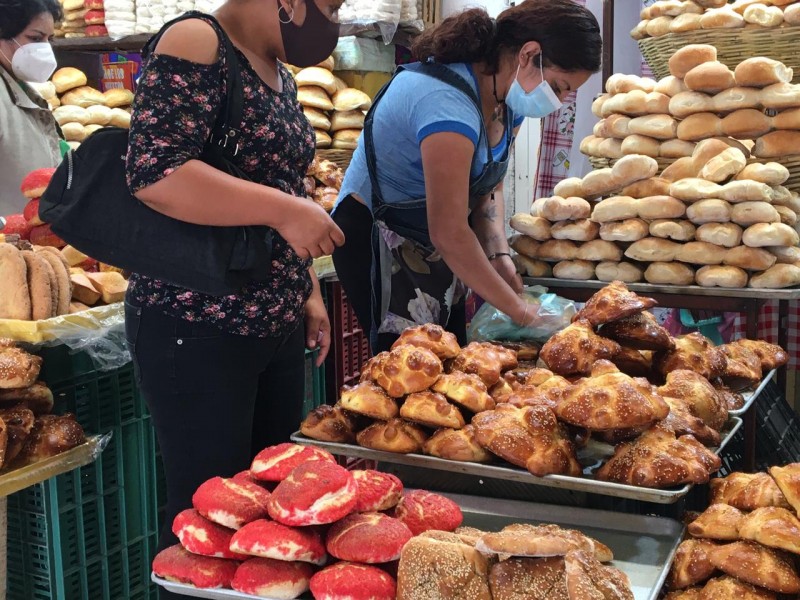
(226, 128)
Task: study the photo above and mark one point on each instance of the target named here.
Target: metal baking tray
(751, 396)
(643, 546)
(689, 290)
(510, 473)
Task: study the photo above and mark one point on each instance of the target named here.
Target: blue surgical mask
(536, 104)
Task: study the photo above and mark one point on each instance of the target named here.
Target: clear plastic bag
(358, 16)
(551, 314)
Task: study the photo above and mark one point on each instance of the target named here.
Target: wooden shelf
(131, 43)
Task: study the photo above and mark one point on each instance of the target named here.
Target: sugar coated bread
(181, 566)
(68, 78)
(315, 493)
(422, 511)
(770, 234)
(268, 539)
(277, 462)
(688, 57)
(710, 77)
(581, 270)
(352, 581)
(778, 144)
(652, 250)
(752, 259)
(229, 503)
(368, 538)
(201, 536)
(761, 72)
(618, 271)
(777, 277)
(376, 491)
(722, 276)
(628, 230)
(268, 578)
(672, 273)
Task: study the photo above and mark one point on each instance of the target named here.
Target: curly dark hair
(568, 33)
(16, 15)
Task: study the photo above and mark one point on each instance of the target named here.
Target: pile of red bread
(28, 225)
(269, 531)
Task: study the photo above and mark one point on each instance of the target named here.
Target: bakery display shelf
(687, 290)
(591, 460)
(643, 546)
(24, 477)
(751, 396)
(130, 43)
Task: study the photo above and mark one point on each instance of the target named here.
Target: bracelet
(525, 315)
(491, 257)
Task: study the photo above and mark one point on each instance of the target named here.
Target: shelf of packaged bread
(12, 481)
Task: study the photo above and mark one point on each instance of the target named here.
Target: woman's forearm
(198, 193)
(464, 255)
(488, 223)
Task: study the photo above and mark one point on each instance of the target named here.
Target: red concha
(96, 31)
(369, 538)
(316, 493)
(31, 213)
(423, 511)
(44, 236)
(181, 566)
(17, 225)
(276, 462)
(36, 182)
(198, 535)
(274, 579)
(269, 539)
(230, 503)
(377, 491)
(348, 581)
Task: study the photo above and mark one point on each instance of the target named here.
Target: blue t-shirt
(414, 107)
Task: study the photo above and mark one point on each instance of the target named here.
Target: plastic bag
(552, 313)
(358, 16)
(99, 332)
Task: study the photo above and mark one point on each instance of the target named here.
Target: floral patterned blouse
(176, 105)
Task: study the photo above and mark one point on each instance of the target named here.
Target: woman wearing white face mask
(29, 137)
(421, 205)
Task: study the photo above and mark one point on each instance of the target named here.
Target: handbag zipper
(69, 170)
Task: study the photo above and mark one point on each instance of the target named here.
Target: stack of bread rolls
(755, 103)
(709, 219)
(677, 16)
(82, 109)
(73, 24)
(323, 182)
(745, 544)
(335, 110)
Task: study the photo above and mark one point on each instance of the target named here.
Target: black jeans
(216, 399)
(353, 263)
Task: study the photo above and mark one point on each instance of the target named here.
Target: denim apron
(416, 285)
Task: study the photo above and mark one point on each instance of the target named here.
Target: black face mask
(313, 41)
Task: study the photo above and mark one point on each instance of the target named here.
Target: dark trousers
(353, 263)
(216, 399)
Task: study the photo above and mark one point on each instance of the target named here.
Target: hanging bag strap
(225, 134)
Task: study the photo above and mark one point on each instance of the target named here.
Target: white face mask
(536, 104)
(33, 62)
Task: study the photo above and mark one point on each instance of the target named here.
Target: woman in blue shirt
(421, 205)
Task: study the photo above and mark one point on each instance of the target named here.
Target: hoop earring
(291, 17)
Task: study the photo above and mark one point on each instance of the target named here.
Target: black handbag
(88, 204)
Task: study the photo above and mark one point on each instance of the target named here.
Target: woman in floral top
(224, 376)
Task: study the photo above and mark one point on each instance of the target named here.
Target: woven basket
(341, 157)
(790, 162)
(733, 46)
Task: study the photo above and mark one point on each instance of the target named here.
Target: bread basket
(341, 157)
(733, 46)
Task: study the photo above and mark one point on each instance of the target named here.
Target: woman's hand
(318, 326)
(310, 231)
(506, 268)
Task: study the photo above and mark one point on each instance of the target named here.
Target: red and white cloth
(768, 323)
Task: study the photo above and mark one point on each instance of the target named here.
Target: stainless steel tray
(751, 396)
(643, 546)
(688, 290)
(510, 473)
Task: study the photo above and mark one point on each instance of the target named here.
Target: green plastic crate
(90, 534)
